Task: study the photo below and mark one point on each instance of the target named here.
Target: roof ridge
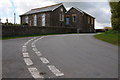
(47, 6)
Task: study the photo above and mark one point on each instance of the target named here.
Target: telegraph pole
(14, 18)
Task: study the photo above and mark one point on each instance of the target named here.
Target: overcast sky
(99, 10)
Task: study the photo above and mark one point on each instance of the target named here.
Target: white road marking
(24, 49)
(24, 46)
(35, 73)
(38, 53)
(25, 54)
(33, 45)
(44, 60)
(35, 49)
(28, 61)
(29, 41)
(55, 70)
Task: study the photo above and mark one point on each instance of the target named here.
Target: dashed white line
(38, 53)
(25, 54)
(24, 46)
(28, 61)
(52, 68)
(35, 73)
(44, 60)
(55, 70)
(33, 45)
(24, 49)
(29, 41)
(35, 49)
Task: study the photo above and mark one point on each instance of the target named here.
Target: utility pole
(14, 18)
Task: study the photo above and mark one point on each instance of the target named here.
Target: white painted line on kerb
(38, 53)
(55, 70)
(44, 60)
(35, 73)
(25, 54)
(28, 61)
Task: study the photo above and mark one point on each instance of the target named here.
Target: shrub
(7, 24)
(24, 23)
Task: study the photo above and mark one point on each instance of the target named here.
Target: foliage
(11, 24)
(24, 23)
(115, 18)
(7, 24)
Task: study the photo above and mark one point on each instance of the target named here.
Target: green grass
(110, 36)
(14, 37)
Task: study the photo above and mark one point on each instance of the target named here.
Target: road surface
(59, 56)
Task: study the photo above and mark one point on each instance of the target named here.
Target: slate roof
(43, 9)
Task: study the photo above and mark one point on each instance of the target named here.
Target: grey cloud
(93, 8)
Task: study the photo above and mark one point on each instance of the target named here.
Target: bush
(7, 24)
(24, 23)
(112, 31)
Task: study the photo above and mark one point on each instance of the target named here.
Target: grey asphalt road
(76, 55)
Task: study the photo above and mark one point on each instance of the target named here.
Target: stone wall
(8, 31)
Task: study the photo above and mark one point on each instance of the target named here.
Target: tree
(115, 18)
(24, 23)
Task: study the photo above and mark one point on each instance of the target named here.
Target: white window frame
(35, 20)
(26, 19)
(61, 17)
(74, 19)
(88, 19)
(43, 19)
(92, 20)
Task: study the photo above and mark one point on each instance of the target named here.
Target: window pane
(61, 17)
(67, 20)
(26, 20)
(35, 20)
(74, 18)
(43, 19)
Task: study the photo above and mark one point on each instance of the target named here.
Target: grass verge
(110, 36)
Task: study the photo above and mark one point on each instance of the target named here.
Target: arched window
(35, 20)
(26, 19)
(43, 19)
(74, 17)
(61, 17)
